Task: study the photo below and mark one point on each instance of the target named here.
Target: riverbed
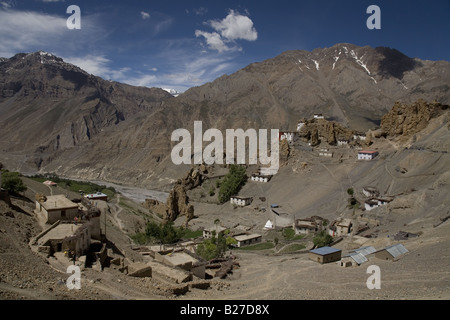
(136, 194)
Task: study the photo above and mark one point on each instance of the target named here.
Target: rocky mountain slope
(57, 118)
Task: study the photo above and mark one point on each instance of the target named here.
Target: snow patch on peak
(335, 60)
(173, 92)
(317, 64)
(43, 53)
(359, 61)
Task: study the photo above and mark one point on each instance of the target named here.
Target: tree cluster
(232, 183)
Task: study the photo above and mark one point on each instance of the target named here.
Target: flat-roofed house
(97, 196)
(247, 239)
(325, 255)
(56, 208)
(367, 155)
(241, 201)
(344, 226)
(215, 229)
(260, 178)
(304, 226)
(375, 203)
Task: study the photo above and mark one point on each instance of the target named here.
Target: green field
(76, 186)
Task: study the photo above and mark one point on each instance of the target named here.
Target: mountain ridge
(57, 117)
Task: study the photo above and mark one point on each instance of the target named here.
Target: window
(63, 213)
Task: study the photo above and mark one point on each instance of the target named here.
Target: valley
(119, 136)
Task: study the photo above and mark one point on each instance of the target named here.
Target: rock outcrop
(178, 201)
(321, 130)
(408, 119)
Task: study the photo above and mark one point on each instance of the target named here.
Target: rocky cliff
(408, 119)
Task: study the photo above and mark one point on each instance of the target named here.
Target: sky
(182, 44)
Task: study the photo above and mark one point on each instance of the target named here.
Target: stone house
(325, 255)
(56, 208)
(217, 229)
(247, 239)
(391, 252)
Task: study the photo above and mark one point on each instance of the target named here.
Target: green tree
(232, 183)
(12, 182)
(322, 239)
(212, 248)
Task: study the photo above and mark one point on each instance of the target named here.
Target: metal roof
(396, 249)
(359, 258)
(324, 250)
(365, 250)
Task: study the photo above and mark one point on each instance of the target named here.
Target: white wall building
(342, 142)
(367, 155)
(318, 116)
(359, 136)
(260, 178)
(241, 201)
(375, 203)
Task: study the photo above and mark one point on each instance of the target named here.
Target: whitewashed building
(359, 137)
(260, 178)
(375, 203)
(241, 201)
(367, 155)
(325, 153)
(318, 116)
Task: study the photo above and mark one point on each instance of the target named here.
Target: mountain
(58, 118)
(49, 106)
(353, 85)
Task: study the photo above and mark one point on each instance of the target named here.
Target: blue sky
(181, 44)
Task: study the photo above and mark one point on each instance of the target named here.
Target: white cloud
(21, 30)
(233, 27)
(96, 65)
(213, 40)
(145, 15)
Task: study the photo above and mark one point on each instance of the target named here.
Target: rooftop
(396, 250)
(60, 232)
(324, 250)
(58, 202)
(247, 236)
(96, 195)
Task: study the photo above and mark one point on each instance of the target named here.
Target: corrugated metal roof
(324, 250)
(365, 250)
(396, 249)
(359, 258)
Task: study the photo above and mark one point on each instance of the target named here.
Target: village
(74, 230)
